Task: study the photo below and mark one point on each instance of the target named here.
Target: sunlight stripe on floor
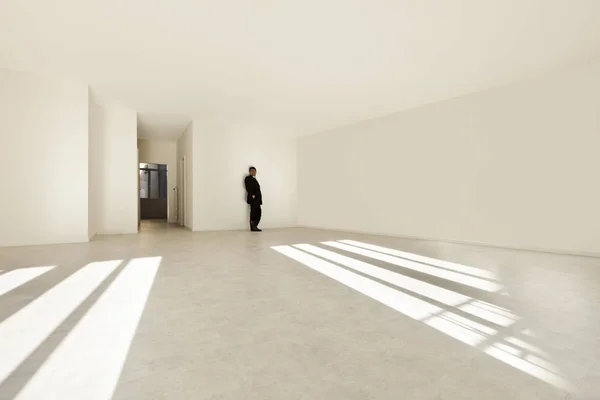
(490, 312)
(423, 268)
(526, 346)
(24, 331)
(532, 365)
(15, 278)
(445, 296)
(89, 361)
(482, 273)
(414, 285)
(453, 325)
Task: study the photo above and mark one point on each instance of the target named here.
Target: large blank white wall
(185, 150)
(43, 160)
(92, 199)
(517, 166)
(159, 152)
(114, 170)
(222, 157)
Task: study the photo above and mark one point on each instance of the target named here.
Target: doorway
(153, 192)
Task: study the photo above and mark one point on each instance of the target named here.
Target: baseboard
(240, 227)
(44, 243)
(244, 229)
(464, 242)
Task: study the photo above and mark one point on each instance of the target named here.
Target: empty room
(311, 200)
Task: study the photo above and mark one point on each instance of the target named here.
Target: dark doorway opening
(153, 192)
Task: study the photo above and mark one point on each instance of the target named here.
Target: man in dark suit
(254, 199)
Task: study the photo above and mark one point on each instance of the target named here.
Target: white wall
(159, 152)
(43, 160)
(185, 149)
(114, 169)
(222, 157)
(91, 183)
(517, 166)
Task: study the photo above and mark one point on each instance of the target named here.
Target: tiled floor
(237, 315)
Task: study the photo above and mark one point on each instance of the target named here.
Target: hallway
(232, 315)
(152, 225)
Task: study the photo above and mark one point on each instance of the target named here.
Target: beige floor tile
(228, 317)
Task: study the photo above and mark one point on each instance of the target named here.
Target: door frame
(137, 174)
(181, 215)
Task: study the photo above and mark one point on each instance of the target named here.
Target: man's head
(252, 171)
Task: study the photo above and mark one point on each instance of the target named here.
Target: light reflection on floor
(467, 319)
(88, 362)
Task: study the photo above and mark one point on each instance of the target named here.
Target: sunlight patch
(482, 273)
(15, 278)
(23, 332)
(89, 361)
(513, 351)
(457, 277)
(462, 329)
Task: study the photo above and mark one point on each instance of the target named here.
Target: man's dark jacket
(252, 189)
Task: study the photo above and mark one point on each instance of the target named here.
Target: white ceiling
(297, 66)
(160, 126)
